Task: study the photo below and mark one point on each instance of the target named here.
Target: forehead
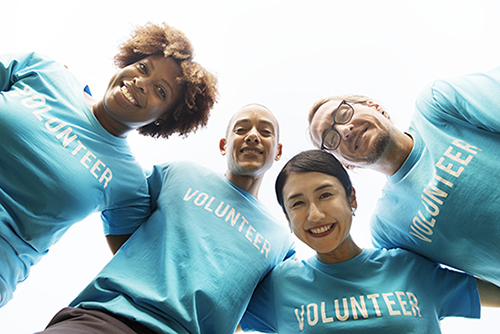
(308, 183)
(254, 114)
(165, 66)
(322, 119)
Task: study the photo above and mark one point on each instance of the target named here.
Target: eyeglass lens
(342, 115)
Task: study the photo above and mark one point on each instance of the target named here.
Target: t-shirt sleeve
(454, 293)
(459, 294)
(260, 315)
(11, 68)
(383, 233)
(129, 214)
(473, 99)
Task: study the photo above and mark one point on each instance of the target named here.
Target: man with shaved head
(194, 264)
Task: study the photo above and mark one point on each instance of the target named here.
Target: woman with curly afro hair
(64, 154)
(198, 85)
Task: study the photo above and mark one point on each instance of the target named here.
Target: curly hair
(200, 86)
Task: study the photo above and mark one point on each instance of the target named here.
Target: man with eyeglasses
(442, 197)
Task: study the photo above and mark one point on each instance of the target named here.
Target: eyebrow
(315, 190)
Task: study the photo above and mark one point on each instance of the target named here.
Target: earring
(353, 211)
(157, 123)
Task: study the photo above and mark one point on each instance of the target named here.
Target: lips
(129, 96)
(358, 138)
(248, 150)
(321, 230)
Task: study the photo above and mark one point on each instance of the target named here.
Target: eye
(325, 195)
(161, 91)
(240, 130)
(296, 204)
(143, 68)
(266, 133)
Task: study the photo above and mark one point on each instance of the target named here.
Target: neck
(395, 155)
(110, 125)
(249, 183)
(345, 251)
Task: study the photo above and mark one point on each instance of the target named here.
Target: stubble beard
(379, 148)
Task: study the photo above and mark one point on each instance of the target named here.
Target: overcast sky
(282, 54)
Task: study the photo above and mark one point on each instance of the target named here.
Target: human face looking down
(251, 144)
(364, 139)
(320, 214)
(139, 94)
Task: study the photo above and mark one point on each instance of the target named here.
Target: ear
(348, 167)
(279, 152)
(352, 199)
(222, 146)
(375, 105)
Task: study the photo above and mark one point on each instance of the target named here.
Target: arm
(472, 99)
(115, 242)
(488, 293)
(11, 69)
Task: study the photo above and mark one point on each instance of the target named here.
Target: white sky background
(283, 54)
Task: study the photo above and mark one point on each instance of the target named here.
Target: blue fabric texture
(444, 202)
(378, 291)
(57, 165)
(194, 264)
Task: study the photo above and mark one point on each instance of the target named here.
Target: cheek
(296, 221)
(157, 107)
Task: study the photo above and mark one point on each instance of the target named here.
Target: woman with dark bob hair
(64, 154)
(344, 288)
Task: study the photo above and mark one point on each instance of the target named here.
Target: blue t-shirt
(378, 291)
(194, 264)
(57, 165)
(444, 202)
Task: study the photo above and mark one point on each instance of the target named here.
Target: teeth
(250, 151)
(322, 229)
(127, 94)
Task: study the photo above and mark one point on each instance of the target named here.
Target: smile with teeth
(127, 94)
(321, 229)
(249, 150)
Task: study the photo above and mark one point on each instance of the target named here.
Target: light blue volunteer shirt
(57, 166)
(444, 202)
(378, 291)
(194, 264)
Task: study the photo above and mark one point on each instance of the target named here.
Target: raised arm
(488, 293)
(115, 242)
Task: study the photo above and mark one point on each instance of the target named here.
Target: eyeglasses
(342, 115)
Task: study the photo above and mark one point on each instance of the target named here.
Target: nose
(315, 214)
(252, 137)
(141, 84)
(344, 130)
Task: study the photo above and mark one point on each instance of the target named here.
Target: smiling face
(365, 139)
(320, 213)
(139, 94)
(251, 144)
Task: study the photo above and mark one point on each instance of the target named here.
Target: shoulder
(178, 171)
(292, 269)
(180, 166)
(397, 256)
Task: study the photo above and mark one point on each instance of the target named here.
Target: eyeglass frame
(332, 128)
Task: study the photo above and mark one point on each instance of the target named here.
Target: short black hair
(312, 161)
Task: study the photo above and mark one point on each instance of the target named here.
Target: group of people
(195, 251)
